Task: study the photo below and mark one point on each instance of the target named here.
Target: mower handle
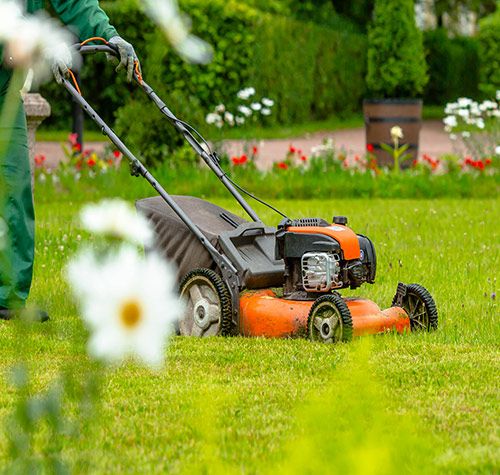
(190, 135)
(91, 49)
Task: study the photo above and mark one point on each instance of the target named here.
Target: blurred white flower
(266, 111)
(176, 26)
(480, 123)
(450, 121)
(212, 118)
(220, 109)
(246, 93)
(397, 133)
(463, 113)
(33, 42)
(465, 134)
(498, 95)
(229, 118)
(256, 106)
(267, 102)
(464, 102)
(117, 218)
(128, 303)
(3, 234)
(240, 120)
(246, 111)
(497, 149)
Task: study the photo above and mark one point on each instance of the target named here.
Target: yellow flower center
(131, 314)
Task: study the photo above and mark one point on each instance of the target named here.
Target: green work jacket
(83, 17)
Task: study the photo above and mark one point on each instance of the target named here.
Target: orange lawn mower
(241, 277)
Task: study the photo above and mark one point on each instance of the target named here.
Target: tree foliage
(396, 60)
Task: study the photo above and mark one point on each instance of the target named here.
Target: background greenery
(308, 56)
(396, 60)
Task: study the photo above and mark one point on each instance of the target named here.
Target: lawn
(421, 403)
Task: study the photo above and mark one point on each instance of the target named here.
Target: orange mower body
(264, 314)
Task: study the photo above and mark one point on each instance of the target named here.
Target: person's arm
(85, 18)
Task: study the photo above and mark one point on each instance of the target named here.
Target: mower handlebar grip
(91, 49)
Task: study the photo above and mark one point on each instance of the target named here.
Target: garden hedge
(307, 68)
(453, 66)
(489, 51)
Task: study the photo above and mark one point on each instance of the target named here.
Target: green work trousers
(16, 207)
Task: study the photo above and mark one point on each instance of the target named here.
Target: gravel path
(434, 141)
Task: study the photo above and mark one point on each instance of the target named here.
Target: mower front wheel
(208, 309)
(330, 320)
(419, 305)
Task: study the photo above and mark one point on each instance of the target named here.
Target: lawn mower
(241, 277)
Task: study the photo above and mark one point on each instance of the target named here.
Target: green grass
(253, 132)
(422, 403)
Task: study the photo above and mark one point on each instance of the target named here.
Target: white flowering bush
(248, 108)
(474, 127)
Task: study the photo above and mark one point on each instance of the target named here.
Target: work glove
(61, 60)
(127, 56)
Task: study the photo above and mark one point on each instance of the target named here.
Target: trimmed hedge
(489, 51)
(308, 69)
(453, 66)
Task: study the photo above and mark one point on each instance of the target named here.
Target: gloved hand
(61, 60)
(127, 56)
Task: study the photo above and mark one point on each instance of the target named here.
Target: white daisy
(266, 111)
(117, 218)
(175, 25)
(256, 106)
(128, 303)
(35, 41)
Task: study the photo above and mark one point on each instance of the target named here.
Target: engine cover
(319, 259)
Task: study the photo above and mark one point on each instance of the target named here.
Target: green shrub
(396, 60)
(453, 65)
(489, 52)
(308, 69)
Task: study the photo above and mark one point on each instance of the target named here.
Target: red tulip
(283, 166)
(303, 158)
(292, 149)
(255, 150)
(117, 154)
(72, 138)
(91, 162)
(370, 147)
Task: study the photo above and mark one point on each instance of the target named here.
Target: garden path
(433, 139)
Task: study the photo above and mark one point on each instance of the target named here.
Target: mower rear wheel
(208, 309)
(330, 320)
(420, 307)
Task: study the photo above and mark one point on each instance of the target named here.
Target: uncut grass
(257, 406)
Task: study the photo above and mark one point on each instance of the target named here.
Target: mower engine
(320, 257)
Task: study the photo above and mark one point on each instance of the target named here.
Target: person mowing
(86, 19)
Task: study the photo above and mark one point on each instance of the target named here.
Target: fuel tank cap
(342, 220)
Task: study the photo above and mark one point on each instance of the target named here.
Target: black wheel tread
(425, 297)
(345, 314)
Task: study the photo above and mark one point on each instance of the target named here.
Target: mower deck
(263, 313)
